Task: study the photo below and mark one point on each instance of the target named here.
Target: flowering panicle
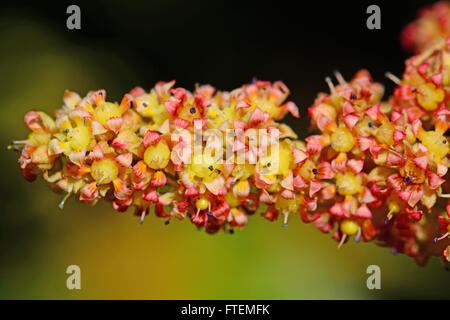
(373, 170)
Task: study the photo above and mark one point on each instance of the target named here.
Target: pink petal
(422, 69)
(265, 197)
(288, 182)
(151, 137)
(158, 179)
(125, 159)
(121, 191)
(395, 115)
(299, 182)
(416, 195)
(310, 204)
(351, 120)
(292, 108)
(434, 180)
(97, 128)
(399, 135)
(373, 111)
(171, 106)
(314, 188)
(238, 124)
(437, 79)
(364, 212)
(337, 210)
(421, 162)
(287, 194)
(347, 108)
(396, 181)
(181, 123)
(191, 192)
(364, 143)
(394, 159)
(414, 214)
(325, 171)
(89, 192)
(340, 162)
(151, 195)
(140, 169)
(242, 104)
(115, 124)
(414, 113)
(77, 157)
(355, 165)
(137, 92)
(258, 117)
(367, 196)
(299, 155)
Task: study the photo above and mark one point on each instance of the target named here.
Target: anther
(192, 110)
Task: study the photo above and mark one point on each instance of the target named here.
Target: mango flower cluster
(373, 170)
(433, 22)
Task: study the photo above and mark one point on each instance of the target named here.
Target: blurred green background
(130, 43)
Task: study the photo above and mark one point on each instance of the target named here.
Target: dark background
(227, 43)
(123, 44)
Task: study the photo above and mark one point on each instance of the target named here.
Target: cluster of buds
(433, 22)
(374, 170)
(163, 150)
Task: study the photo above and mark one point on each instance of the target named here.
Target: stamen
(358, 235)
(441, 237)
(444, 195)
(285, 222)
(196, 214)
(393, 78)
(14, 147)
(339, 78)
(342, 240)
(14, 142)
(61, 204)
(330, 85)
(141, 220)
(428, 51)
(389, 216)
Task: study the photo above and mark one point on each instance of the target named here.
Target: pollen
(106, 111)
(348, 183)
(202, 203)
(436, 144)
(157, 156)
(104, 171)
(342, 140)
(79, 138)
(349, 227)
